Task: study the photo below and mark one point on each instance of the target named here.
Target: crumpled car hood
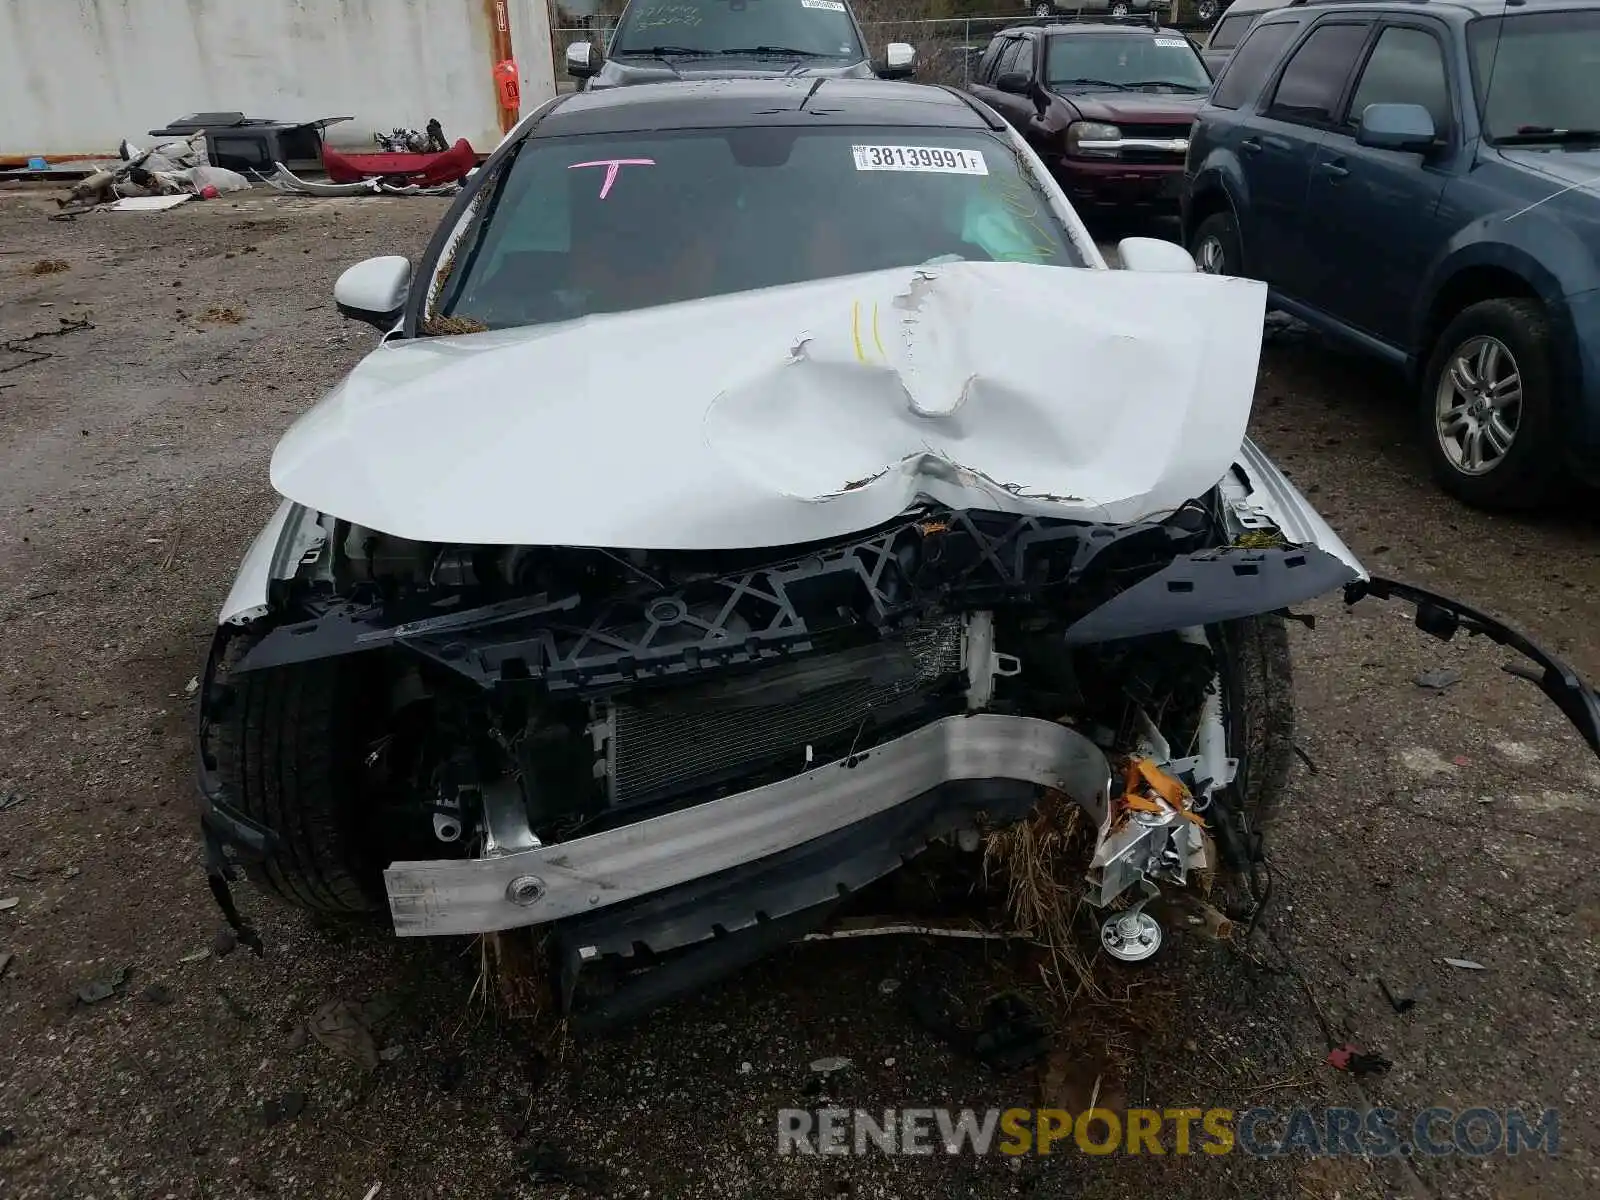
(796, 413)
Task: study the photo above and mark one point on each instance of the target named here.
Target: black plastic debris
(158, 993)
(8, 1138)
(547, 1164)
(1012, 1035)
(1353, 1059)
(225, 943)
(10, 800)
(283, 1108)
(1398, 1001)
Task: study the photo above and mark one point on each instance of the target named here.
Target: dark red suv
(1106, 104)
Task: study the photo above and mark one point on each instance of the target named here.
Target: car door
(1376, 212)
(1279, 145)
(1016, 55)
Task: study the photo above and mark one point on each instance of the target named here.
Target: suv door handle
(1250, 146)
(1337, 169)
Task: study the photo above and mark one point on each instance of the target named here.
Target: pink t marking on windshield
(612, 166)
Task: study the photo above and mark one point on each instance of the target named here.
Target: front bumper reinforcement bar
(548, 883)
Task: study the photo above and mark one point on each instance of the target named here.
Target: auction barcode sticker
(920, 158)
(827, 5)
(1178, 42)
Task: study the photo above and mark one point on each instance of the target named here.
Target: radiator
(665, 746)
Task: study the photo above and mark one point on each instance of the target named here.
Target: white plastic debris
(192, 686)
(149, 203)
(9, 903)
(196, 956)
(827, 1066)
(1466, 964)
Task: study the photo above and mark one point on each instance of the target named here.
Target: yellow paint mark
(855, 330)
(878, 341)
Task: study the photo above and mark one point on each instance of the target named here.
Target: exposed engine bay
(649, 750)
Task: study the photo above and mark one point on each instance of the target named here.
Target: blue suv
(1422, 179)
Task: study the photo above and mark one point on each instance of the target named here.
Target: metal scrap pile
(178, 168)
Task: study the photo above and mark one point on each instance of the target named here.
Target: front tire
(286, 753)
(1259, 714)
(1216, 247)
(1487, 409)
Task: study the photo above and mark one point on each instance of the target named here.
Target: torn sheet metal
(796, 413)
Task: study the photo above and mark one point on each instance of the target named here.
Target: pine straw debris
(1042, 860)
(513, 976)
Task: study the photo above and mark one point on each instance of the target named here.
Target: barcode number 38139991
(920, 158)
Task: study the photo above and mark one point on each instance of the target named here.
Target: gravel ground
(132, 476)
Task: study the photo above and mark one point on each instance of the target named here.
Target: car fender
(1256, 488)
(1219, 174)
(1523, 249)
(276, 552)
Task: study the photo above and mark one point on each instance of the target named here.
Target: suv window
(1247, 70)
(1406, 67)
(816, 28)
(1310, 87)
(1229, 30)
(986, 72)
(1017, 56)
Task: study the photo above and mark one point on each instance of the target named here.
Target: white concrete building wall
(77, 76)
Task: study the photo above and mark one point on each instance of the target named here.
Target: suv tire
(1216, 246)
(1507, 343)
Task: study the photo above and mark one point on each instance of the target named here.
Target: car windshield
(1139, 61)
(579, 225)
(1536, 75)
(807, 28)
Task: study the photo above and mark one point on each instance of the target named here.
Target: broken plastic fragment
(1466, 964)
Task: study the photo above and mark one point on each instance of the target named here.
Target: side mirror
(1015, 82)
(1405, 127)
(374, 291)
(582, 61)
(899, 61)
(1153, 254)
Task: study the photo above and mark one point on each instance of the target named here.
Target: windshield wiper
(1121, 87)
(785, 51)
(1527, 134)
(1171, 83)
(659, 52)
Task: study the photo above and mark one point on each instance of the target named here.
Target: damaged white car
(759, 481)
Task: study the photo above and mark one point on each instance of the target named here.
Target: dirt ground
(133, 473)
